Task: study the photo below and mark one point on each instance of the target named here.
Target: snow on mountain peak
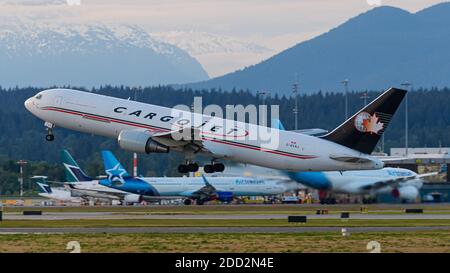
(200, 43)
(116, 54)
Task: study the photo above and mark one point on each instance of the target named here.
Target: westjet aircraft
(59, 194)
(87, 188)
(201, 189)
(146, 128)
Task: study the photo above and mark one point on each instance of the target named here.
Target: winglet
(276, 123)
(206, 180)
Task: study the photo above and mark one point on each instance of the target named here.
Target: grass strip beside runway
(243, 209)
(423, 241)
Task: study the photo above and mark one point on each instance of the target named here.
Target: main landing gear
(49, 127)
(188, 168)
(193, 167)
(212, 168)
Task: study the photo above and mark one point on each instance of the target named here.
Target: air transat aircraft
(146, 128)
(401, 183)
(201, 189)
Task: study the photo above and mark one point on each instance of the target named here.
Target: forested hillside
(23, 136)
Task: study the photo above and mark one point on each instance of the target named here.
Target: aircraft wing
(204, 192)
(185, 137)
(389, 158)
(394, 181)
(427, 174)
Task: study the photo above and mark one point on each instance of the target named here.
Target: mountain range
(89, 55)
(374, 50)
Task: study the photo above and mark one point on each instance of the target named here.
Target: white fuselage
(360, 182)
(92, 189)
(61, 195)
(351, 182)
(241, 142)
(239, 186)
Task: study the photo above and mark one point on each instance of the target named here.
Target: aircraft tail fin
(73, 172)
(113, 166)
(363, 130)
(276, 123)
(44, 188)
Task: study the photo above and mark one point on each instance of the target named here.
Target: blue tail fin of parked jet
(276, 123)
(72, 171)
(113, 166)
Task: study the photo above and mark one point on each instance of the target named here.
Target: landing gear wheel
(208, 168)
(187, 202)
(193, 167)
(183, 168)
(218, 167)
(49, 127)
(49, 137)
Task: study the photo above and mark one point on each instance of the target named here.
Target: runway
(142, 216)
(199, 230)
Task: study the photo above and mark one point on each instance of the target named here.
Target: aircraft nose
(28, 104)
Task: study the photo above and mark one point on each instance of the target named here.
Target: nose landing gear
(49, 127)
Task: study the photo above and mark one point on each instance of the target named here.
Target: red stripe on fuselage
(152, 128)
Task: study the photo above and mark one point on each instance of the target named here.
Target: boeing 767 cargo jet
(147, 128)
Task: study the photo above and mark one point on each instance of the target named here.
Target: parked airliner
(401, 183)
(59, 194)
(88, 188)
(146, 128)
(201, 189)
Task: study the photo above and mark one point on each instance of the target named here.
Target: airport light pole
(263, 95)
(364, 97)
(295, 88)
(406, 85)
(345, 83)
(21, 164)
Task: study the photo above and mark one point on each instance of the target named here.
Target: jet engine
(406, 192)
(225, 196)
(140, 142)
(132, 198)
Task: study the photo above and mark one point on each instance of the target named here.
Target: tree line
(23, 135)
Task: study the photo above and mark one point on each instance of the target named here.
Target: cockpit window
(38, 97)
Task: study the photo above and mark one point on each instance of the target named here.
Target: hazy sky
(274, 23)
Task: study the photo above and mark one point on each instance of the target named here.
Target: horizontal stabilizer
(311, 132)
(350, 158)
